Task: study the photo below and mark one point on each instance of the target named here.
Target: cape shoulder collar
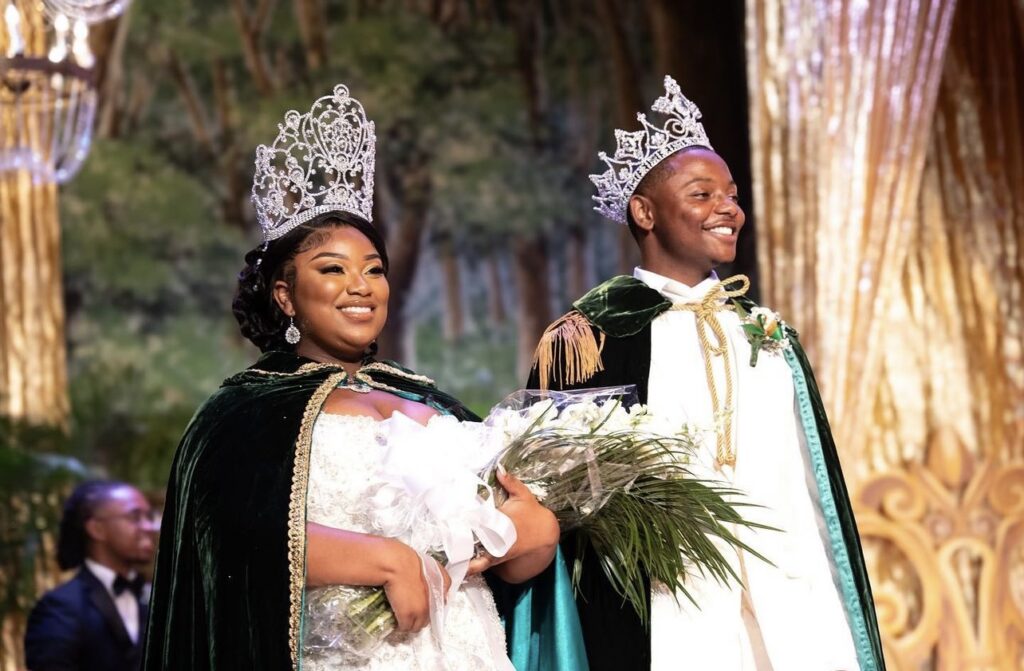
(569, 352)
(623, 306)
(286, 366)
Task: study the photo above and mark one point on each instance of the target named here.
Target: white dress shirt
(790, 617)
(125, 602)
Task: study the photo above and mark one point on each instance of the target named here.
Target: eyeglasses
(136, 517)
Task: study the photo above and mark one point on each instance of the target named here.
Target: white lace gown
(344, 454)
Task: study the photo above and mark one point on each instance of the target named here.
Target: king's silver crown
(322, 161)
(638, 152)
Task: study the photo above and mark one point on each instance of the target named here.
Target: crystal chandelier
(89, 11)
(48, 92)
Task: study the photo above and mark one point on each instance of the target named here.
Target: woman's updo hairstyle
(259, 317)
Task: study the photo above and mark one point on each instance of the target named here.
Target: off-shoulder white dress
(345, 452)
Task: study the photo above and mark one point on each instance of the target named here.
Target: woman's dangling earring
(291, 334)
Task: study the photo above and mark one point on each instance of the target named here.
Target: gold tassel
(569, 351)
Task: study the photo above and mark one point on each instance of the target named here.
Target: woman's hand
(340, 557)
(537, 534)
(407, 590)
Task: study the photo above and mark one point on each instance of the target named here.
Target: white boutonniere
(764, 330)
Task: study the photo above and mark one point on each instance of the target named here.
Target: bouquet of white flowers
(605, 467)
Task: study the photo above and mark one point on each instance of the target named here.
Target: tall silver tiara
(322, 161)
(637, 152)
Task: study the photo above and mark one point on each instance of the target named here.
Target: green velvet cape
(617, 317)
(230, 573)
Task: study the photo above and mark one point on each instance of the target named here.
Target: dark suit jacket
(76, 627)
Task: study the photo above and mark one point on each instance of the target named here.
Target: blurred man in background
(96, 621)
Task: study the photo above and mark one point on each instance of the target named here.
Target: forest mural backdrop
(489, 118)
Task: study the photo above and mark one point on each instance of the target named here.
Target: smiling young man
(702, 354)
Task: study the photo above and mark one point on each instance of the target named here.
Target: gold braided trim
(708, 324)
(297, 508)
(397, 372)
(300, 479)
(370, 382)
(271, 373)
(301, 370)
(569, 351)
(313, 367)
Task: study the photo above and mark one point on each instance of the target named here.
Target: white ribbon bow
(431, 498)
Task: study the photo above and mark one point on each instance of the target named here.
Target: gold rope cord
(888, 140)
(706, 316)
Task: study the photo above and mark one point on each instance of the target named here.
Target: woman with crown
(262, 496)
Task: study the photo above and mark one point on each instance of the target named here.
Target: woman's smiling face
(338, 294)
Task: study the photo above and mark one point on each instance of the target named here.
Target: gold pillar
(33, 375)
(33, 370)
(888, 141)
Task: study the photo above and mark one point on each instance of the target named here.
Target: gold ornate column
(33, 108)
(33, 377)
(888, 140)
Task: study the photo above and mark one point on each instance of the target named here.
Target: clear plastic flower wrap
(357, 619)
(352, 617)
(602, 463)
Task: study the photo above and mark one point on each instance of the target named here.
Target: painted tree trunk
(309, 14)
(454, 322)
(625, 87)
(578, 280)
(251, 25)
(410, 186)
(496, 290)
(532, 278)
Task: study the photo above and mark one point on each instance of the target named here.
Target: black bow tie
(134, 585)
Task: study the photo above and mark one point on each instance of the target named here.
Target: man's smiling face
(693, 214)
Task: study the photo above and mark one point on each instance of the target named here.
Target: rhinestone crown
(321, 161)
(637, 152)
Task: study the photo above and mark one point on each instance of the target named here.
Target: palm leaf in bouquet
(632, 497)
